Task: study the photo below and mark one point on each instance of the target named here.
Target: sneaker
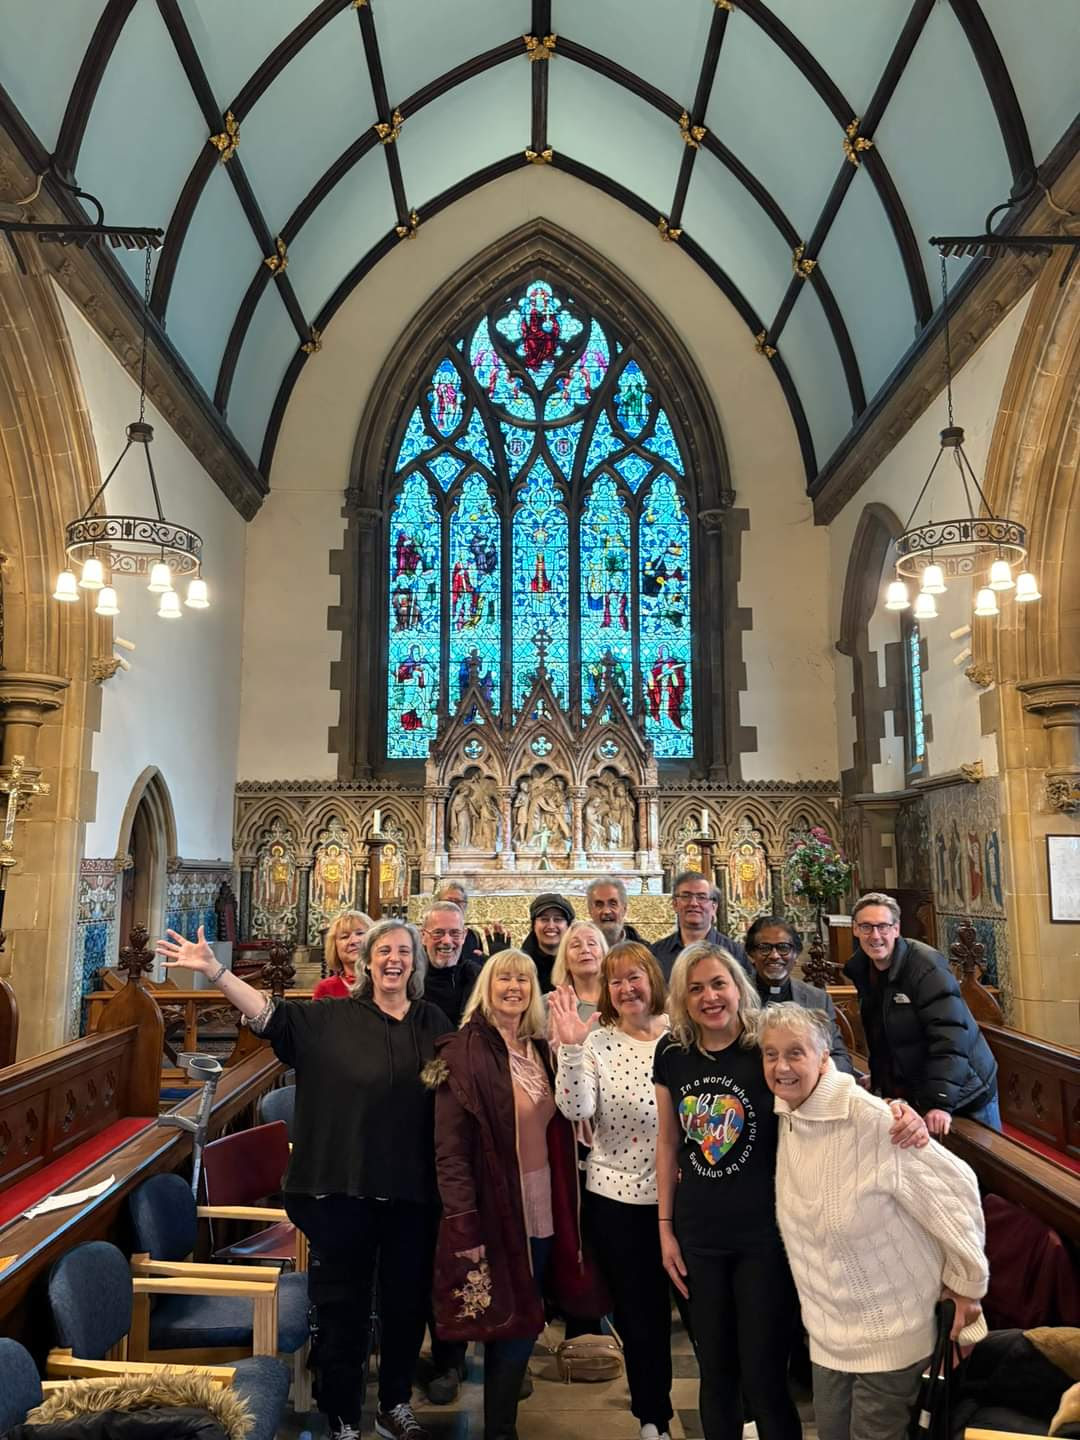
(342, 1430)
(650, 1432)
(444, 1388)
(399, 1423)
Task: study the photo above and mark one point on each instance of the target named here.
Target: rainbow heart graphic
(713, 1123)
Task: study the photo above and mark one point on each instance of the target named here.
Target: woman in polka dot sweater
(606, 1076)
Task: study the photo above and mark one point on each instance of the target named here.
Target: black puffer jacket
(937, 1054)
(158, 1423)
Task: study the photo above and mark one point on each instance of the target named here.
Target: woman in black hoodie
(361, 1181)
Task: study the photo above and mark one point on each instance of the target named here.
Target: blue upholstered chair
(92, 1297)
(165, 1221)
(20, 1385)
(279, 1104)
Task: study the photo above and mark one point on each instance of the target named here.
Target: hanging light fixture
(979, 546)
(105, 547)
(896, 596)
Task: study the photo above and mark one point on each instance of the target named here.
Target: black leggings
(744, 1309)
(350, 1239)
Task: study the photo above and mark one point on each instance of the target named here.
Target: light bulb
(986, 603)
(932, 581)
(160, 578)
(93, 574)
(925, 607)
(1027, 588)
(67, 587)
(169, 606)
(896, 596)
(106, 602)
(1001, 575)
(197, 595)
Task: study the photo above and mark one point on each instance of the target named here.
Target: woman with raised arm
(577, 965)
(605, 1077)
(361, 1180)
(343, 947)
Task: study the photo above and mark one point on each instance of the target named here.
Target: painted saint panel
(541, 586)
(606, 618)
(475, 590)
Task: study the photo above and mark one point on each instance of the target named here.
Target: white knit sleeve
(577, 1084)
(940, 1192)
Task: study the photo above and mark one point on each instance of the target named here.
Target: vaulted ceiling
(737, 126)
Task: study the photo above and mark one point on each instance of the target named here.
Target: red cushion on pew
(52, 1177)
(1041, 1147)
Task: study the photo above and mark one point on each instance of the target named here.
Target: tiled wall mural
(97, 916)
(190, 896)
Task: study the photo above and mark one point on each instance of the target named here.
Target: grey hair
(441, 890)
(875, 897)
(439, 907)
(612, 880)
(362, 986)
(813, 1025)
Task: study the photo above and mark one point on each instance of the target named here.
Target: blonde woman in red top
(344, 944)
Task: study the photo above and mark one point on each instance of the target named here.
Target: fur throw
(1061, 1346)
(1068, 1412)
(173, 1387)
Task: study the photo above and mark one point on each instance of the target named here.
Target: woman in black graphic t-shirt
(715, 1163)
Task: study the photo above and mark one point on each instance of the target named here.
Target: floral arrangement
(817, 868)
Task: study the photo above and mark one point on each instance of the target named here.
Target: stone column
(442, 794)
(302, 901)
(508, 857)
(247, 883)
(715, 708)
(25, 702)
(578, 859)
(642, 830)
(1058, 702)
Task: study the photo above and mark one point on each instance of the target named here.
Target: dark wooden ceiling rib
(603, 65)
(237, 335)
(508, 50)
(85, 89)
(538, 77)
(753, 185)
(998, 82)
(284, 53)
(706, 76)
(383, 109)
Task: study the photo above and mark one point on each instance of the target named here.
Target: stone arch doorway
(147, 842)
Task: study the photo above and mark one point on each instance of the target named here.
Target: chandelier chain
(145, 319)
(948, 338)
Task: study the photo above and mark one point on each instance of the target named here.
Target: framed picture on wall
(1063, 873)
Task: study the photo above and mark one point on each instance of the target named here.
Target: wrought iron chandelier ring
(133, 544)
(960, 546)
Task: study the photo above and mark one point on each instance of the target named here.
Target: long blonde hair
(560, 971)
(533, 1023)
(685, 1030)
(347, 920)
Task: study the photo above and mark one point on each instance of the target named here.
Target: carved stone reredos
(474, 739)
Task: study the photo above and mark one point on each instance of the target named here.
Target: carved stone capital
(1057, 699)
(1063, 793)
(974, 772)
(365, 516)
(713, 520)
(103, 667)
(981, 673)
(30, 695)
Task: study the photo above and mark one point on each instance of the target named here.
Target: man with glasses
(694, 901)
(773, 946)
(925, 1045)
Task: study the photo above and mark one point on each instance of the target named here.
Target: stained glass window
(539, 411)
(916, 715)
(415, 620)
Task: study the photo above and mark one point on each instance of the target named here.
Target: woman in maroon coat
(508, 1178)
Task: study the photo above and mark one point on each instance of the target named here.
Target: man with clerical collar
(694, 901)
(774, 946)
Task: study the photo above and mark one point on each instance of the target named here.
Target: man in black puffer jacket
(925, 1045)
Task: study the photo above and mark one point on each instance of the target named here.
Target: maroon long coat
(480, 1185)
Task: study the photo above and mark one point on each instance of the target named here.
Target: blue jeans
(988, 1114)
(505, 1363)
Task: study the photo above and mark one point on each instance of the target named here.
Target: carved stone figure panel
(542, 816)
(609, 813)
(473, 813)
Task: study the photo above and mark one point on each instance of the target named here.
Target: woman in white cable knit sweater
(605, 1076)
(875, 1234)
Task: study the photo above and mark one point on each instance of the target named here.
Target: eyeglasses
(701, 897)
(445, 934)
(867, 927)
(783, 950)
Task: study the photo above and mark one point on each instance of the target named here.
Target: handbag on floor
(589, 1357)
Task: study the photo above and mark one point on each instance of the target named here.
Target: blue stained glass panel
(415, 621)
(602, 444)
(606, 617)
(475, 573)
(633, 469)
(446, 468)
(538, 327)
(517, 446)
(416, 440)
(918, 723)
(475, 441)
(632, 399)
(509, 392)
(541, 586)
(563, 443)
(446, 402)
(664, 588)
(662, 442)
(576, 388)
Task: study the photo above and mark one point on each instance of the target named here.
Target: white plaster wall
(286, 704)
(950, 700)
(178, 707)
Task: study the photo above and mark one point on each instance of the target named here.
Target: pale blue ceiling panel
(721, 216)
(808, 350)
(1042, 60)
(603, 125)
(773, 119)
(313, 111)
(144, 131)
(643, 37)
(269, 346)
(422, 39)
(863, 267)
(216, 266)
(234, 39)
(357, 212)
(852, 42)
(941, 142)
(465, 129)
(39, 62)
